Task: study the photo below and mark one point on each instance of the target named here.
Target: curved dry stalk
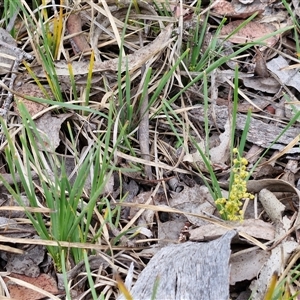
(130, 62)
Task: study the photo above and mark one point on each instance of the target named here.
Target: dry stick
(144, 129)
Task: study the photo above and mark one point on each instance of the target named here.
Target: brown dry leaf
(49, 127)
(253, 227)
(252, 31)
(260, 105)
(266, 171)
(44, 282)
(32, 90)
(74, 27)
(178, 11)
(168, 232)
(237, 9)
(260, 65)
(246, 264)
(194, 200)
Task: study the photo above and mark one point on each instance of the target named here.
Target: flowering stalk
(230, 209)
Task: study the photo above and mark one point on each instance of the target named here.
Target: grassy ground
(109, 108)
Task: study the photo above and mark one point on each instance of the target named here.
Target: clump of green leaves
(230, 209)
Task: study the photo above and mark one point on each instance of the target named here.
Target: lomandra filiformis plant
(231, 208)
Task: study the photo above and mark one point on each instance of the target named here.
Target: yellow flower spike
(244, 168)
(244, 161)
(243, 174)
(231, 207)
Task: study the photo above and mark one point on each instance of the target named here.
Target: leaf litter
(153, 215)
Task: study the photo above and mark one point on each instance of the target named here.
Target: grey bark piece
(187, 271)
(260, 133)
(286, 77)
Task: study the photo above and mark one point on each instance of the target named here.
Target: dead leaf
(266, 171)
(27, 263)
(49, 127)
(279, 257)
(32, 90)
(178, 12)
(238, 9)
(44, 282)
(274, 185)
(193, 200)
(225, 75)
(275, 17)
(253, 227)
(288, 77)
(148, 215)
(221, 153)
(246, 264)
(260, 65)
(268, 85)
(251, 32)
(290, 171)
(168, 232)
(195, 157)
(74, 27)
(273, 207)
